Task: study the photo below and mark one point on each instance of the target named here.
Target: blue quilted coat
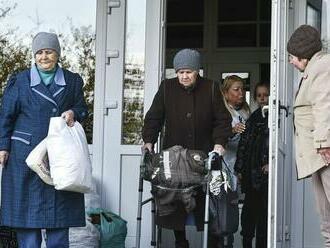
(27, 106)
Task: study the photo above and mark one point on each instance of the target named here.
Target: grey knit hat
(304, 42)
(45, 40)
(187, 59)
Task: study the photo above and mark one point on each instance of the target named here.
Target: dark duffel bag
(175, 168)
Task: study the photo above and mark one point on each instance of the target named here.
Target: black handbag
(224, 213)
(8, 237)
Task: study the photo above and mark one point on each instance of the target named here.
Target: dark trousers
(221, 242)
(254, 218)
(213, 241)
(32, 238)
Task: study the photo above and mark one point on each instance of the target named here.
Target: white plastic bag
(68, 154)
(92, 199)
(87, 236)
(38, 162)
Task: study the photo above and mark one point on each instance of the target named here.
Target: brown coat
(312, 115)
(195, 119)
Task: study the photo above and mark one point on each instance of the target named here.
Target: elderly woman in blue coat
(30, 99)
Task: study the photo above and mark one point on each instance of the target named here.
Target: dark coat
(27, 106)
(252, 153)
(195, 118)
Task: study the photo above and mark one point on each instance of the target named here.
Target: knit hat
(304, 42)
(45, 40)
(187, 59)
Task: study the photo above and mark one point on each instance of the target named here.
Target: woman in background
(252, 170)
(233, 93)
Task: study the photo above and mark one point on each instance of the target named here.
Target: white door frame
(280, 142)
(99, 89)
(116, 166)
(155, 49)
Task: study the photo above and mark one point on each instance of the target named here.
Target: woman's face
(46, 59)
(300, 64)
(262, 95)
(187, 77)
(235, 95)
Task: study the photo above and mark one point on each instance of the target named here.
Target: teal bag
(113, 229)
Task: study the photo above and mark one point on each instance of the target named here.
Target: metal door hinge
(287, 233)
(291, 4)
(285, 108)
(109, 105)
(113, 4)
(110, 54)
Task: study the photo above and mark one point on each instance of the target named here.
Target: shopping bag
(87, 236)
(113, 229)
(224, 213)
(68, 154)
(37, 161)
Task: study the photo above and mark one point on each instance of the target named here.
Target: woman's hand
(69, 117)
(265, 169)
(3, 157)
(239, 177)
(148, 146)
(325, 154)
(238, 128)
(219, 149)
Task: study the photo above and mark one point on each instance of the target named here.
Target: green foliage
(78, 55)
(133, 105)
(13, 58)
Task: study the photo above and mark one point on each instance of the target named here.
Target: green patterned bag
(113, 229)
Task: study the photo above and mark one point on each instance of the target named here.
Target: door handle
(285, 108)
(264, 110)
(108, 106)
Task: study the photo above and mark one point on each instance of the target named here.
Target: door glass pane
(265, 10)
(265, 35)
(134, 73)
(238, 10)
(184, 36)
(325, 25)
(237, 35)
(313, 17)
(185, 11)
(75, 26)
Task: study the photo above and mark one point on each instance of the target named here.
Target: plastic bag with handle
(68, 154)
(38, 162)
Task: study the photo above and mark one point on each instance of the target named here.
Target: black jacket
(252, 152)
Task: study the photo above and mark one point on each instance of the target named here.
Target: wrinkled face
(187, 77)
(300, 64)
(46, 59)
(262, 95)
(235, 95)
